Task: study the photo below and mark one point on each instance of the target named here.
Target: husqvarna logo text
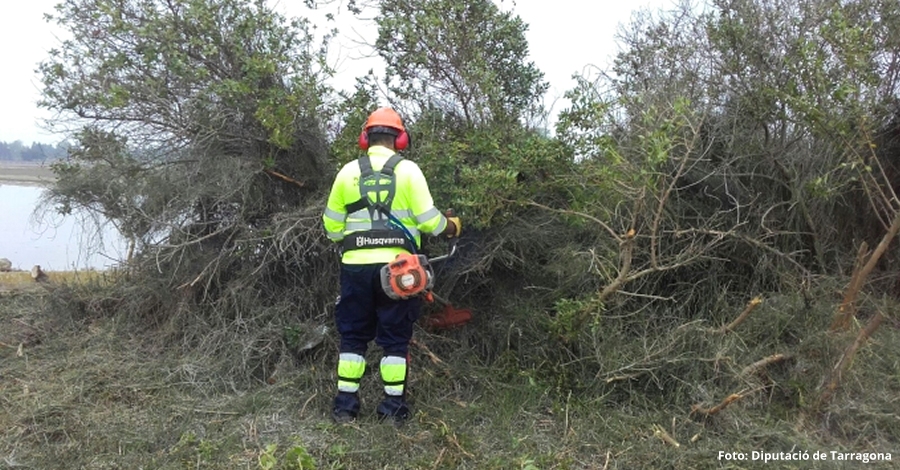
(369, 241)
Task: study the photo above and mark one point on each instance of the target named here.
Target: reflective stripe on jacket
(412, 205)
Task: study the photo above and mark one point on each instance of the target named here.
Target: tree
(198, 131)
(790, 93)
(464, 58)
(175, 88)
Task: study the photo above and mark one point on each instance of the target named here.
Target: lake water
(56, 243)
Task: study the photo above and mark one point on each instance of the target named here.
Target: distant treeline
(37, 152)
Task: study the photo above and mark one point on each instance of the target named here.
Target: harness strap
(355, 206)
(366, 172)
(373, 183)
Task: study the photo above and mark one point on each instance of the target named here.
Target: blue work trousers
(365, 313)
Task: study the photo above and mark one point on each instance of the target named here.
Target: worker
(364, 192)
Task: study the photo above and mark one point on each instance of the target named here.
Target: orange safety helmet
(385, 117)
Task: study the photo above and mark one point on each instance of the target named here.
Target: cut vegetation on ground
(81, 391)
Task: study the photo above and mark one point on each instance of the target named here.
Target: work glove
(451, 217)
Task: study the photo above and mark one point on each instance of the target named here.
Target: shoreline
(26, 174)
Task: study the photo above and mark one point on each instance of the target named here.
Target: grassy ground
(23, 173)
(79, 391)
(21, 281)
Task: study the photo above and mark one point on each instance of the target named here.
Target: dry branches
(626, 255)
(698, 409)
(763, 363)
(743, 316)
(847, 311)
(834, 381)
(664, 436)
(432, 356)
(746, 372)
(602, 224)
(284, 177)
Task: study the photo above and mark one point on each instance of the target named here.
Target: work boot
(346, 407)
(395, 409)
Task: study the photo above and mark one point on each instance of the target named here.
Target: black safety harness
(377, 190)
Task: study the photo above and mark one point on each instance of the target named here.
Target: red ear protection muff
(400, 142)
(364, 140)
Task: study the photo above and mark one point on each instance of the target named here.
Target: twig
(675, 265)
(214, 412)
(196, 240)
(284, 177)
(874, 190)
(620, 378)
(657, 218)
(303, 408)
(627, 253)
(440, 458)
(579, 214)
(716, 409)
(844, 363)
(661, 433)
(743, 316)
(846, 310)
(436, 360)
(647, 296)
(763, 363)
(196, 279)
(745, 239)
(451, 436)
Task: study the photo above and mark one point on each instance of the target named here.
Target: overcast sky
(565, 37)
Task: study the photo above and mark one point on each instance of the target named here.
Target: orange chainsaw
(407, 276)
(410, 275)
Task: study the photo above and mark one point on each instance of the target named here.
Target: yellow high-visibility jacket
(413, 206)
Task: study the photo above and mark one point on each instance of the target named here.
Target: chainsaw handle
(443, 257)
(432, 297)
